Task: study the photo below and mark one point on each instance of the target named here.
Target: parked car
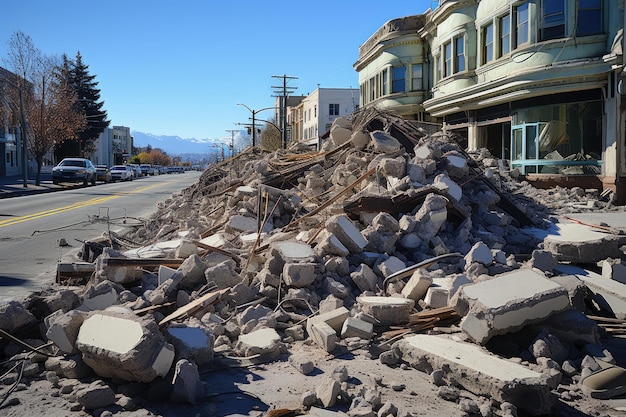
(136, 170)
(74, 170)
(102, 173)
(121, 173)
(147, 169)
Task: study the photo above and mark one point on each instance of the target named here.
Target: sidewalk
(13, 186)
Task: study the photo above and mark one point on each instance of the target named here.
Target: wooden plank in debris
(194, 305)
(144, 262)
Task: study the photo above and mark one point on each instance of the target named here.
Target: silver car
(74, 170)
(121, 173)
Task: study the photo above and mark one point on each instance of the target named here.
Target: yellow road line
(87, 203)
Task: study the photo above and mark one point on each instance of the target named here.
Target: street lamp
(254, 112)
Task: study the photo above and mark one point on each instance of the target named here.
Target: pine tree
(88, 103)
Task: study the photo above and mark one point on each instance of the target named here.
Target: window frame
(523, 26)
(583, 15)
(396, 81)
(488, 43)
(459, 57)
(552, 19)
(504, 37)
(417, 82)
(333, 109)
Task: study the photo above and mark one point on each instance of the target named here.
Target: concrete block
(417, 285)
(62, 329)
(479, 253)
(323, 328)
(479, 372)
(328, 391)
(264, 342)
(340, 135)
(323, 335)
(329, 244)
(360, 139)
(365, 278)
(124, 346)
(386, 310)
(186, 383)
(299, 275)
(614, 269)
(185, 249)
(13, 317)
(302, 363)
(239, 224)
(390, 266)
(354, 327)
(437, 297)
(383, 142)
(217, 240)
(578, 244)
(508, 302)
(165, 273)
(444, 183)
(192, 342)
(291, 251)
(457, 166)
(347, 233)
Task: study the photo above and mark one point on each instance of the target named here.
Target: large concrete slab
(508, 302)
(478, 371)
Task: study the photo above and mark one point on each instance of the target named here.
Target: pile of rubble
(390, 242)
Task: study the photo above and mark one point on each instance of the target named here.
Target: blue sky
(180, 68)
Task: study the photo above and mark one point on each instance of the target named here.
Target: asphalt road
(33, 227)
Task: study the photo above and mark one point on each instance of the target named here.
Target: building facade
(537, 82)
(322, 107)
(10, 138)
(113, 147)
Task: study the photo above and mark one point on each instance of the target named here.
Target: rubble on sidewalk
(385, 233)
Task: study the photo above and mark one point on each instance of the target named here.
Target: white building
(322, 107)
(113, 147)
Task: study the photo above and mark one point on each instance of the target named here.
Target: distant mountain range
(174, 145)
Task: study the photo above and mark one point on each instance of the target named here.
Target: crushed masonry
(390, 244)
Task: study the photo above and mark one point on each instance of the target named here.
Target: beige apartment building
(540, 83)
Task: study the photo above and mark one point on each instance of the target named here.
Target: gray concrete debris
(124, 346)
(186, 383)
(480, 372)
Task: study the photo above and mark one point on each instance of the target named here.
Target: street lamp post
(254, 112)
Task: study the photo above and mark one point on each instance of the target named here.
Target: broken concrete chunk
(479, 372)
(508, 302)
(576, 243)
(383, 142)
(614, 269)
(263, 342)
(360, 139)
(354, 327)
(95, 395)
(62, 329)
(347, 233)
(124, 346)
(185, 249)
(431, 216)
(444, 183)
(386, 310)
(223, 274)
(416, 287)
(329, 244)
(165, 273)
(340, 135)
(323, 329)
(302, 363)
(192, 272)
(365, 278)
(299, 275)
(328, 391)
(13, 317)
(479, 253)
(291, 251)
(193, 342)
(186, 384)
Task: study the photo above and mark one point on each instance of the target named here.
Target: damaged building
(538, 83)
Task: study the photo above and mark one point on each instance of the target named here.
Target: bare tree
(39, 94)
(270, 137)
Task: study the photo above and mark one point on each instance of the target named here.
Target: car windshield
(118, 168)
(72, 163)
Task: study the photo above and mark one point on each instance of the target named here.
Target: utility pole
(284, 92)
(232, 142)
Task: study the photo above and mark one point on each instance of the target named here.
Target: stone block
(347, 233)
(124, 346)
(299, 275)
(480, 372)
(416, 286)
(508, 302)
(354, 327)
(364, 278)
(329, 244)
(386, 310)
(324, 328)
(62, 329)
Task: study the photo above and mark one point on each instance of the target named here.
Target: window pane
(459, 63)
(416, 77)
(488, 43)
(552, 19)
(589, 17)
(447, 64)
(385, 83)
(505, 35)
(397, 85)
(522, 24)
